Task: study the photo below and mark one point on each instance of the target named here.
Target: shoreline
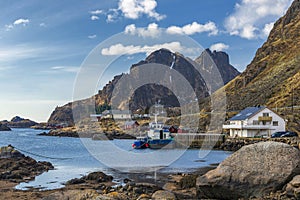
(162, 181)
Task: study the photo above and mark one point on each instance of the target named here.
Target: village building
(95, 117)
(117, 114)
(131, 125)
(255, 122)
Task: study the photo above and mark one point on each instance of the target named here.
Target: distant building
(131, 125)
(255, 121)
(117, 114)
(95, 117)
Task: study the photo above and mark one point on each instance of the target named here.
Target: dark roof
(247, 113)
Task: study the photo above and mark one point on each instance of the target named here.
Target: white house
(255, 121)
(117, 114)
(95, 117)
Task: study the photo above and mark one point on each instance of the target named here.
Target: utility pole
(293, 100)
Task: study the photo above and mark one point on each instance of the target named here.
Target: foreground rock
(293, 188)
(163, 195)
(253, 171)
(3, 127)
(16, 167)
(92, 178)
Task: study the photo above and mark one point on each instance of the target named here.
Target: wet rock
(253, 171)
(93, 178)
(99, 177)
(163, 195)
(75, 181)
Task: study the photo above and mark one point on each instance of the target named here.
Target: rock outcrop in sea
(3, 127)
(19, 122)
(16, 167)
(253, 171)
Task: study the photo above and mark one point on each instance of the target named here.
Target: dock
(198, 140)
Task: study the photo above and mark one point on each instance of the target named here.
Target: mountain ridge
(147, 95)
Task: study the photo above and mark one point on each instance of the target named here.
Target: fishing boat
(158, 135)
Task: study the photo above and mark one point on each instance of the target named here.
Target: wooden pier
(198, 140)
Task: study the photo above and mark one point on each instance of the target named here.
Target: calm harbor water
(75, 157)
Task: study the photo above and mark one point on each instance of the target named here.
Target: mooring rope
(39, 155)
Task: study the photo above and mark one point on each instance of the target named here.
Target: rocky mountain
(273, 76)
(146, 95)
(221, 59)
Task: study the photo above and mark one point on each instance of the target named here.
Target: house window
(266, 114)
(255, 122)
(275, 123)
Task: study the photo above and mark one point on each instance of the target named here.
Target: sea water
(75, 157)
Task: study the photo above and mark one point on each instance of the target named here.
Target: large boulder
(253, 171)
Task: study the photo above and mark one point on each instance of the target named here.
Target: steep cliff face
(272, 78)
(148, 94)
(221, 59)
(62, 114)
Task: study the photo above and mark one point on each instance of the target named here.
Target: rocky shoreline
(72, 132)
(16, 167)
(234, 144)
(264, 170)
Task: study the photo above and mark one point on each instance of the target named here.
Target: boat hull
(161, 143)
(139, 144)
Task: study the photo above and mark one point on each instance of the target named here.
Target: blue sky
(43, 43)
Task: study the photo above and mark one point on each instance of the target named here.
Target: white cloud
(253, 18)
(43, 25)
(120, 49)
(112, 15)
(94, 17)
(72, 69)
(154, 31)
(92, 36)
(194, 28)
(17, 22)
(267, 29)
(21, 21)
(133, 9)
(9, 27)
(219, 47)
(96, 12)
(151, 31)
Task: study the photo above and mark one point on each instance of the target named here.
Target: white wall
(275, 117)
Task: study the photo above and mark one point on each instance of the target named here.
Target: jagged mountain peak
(221, 60)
